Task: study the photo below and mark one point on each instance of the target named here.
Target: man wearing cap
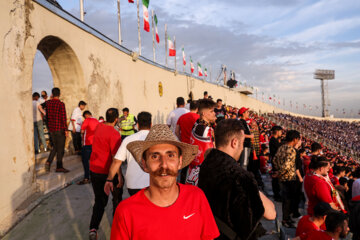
(245, 155)
(164, 210)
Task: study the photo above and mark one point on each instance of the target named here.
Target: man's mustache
(166, 171)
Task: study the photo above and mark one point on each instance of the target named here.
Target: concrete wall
(85, 68)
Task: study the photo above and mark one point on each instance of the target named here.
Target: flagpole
(82, 10)
(138, 16)
(166, 62)
(153, 26)
(183, 58)
(119, 21)
(175, 51)
(210, 73)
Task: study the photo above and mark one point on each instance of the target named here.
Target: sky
(272, 45)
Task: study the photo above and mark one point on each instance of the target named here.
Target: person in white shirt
(356, 185)
(135, 178)
(38, 124)
(75, 125)
(176, 113)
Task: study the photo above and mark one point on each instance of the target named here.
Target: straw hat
(161, 134)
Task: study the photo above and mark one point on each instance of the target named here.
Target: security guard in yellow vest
(127, 123)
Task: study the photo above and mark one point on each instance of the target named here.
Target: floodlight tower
(324, 75)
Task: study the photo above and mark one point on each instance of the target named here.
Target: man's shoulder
(131, 202)
(188, 189)
(141, 135)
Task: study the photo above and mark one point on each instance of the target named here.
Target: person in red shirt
(337, 227)
(106, 142)
(202, 135)
(56, 121)
(87, 130)
(316, 187)
(309, 223)
(186, 122)
(165, 209)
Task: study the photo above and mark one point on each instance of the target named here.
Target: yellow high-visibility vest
(127, 125)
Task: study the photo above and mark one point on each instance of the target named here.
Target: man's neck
(162, 197)
(205, 120)
(56, 98)
(141, 129)
(181, 106)
(193, 111)
(227, 151)
(316, 221)
(110, 124)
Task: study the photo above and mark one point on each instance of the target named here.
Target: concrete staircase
(47, 182)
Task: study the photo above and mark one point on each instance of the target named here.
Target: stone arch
(66, 70)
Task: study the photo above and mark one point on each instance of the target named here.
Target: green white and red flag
(200, 70)
(184, 58)
(205, 72)
(131, 1)
(191, 65)
(172, 51)
(156, 30)
(145, 4)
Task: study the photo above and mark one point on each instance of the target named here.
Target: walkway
(66, 215)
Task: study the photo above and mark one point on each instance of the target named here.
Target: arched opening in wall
(56, 65)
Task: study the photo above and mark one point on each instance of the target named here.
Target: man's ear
(180, 162)
(234, 142)
(145, 168)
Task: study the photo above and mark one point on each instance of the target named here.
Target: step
(67, 162)
(41, 158)
(53, 181)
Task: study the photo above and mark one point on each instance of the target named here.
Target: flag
(205, 72)
(146, 15)
(131, 1)
(172, 51)
(184, 58)
(200, 70)
(156, 31)
(191, 65)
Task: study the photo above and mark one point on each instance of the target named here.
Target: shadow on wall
(159, 118)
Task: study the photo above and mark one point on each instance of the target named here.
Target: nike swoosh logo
(189, 216)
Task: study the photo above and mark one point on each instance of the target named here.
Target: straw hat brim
(137, 148)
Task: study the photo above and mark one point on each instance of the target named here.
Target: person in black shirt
(274, 144)
(220, 111)
(245, 155)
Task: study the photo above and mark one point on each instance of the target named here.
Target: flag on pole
(200, 70)
(205, 72)
(131, 1)
(184, 58)
(156, 31)
(146, 15)
(172, 51)
(191, 65)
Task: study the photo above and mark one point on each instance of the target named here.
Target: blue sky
(274, 45)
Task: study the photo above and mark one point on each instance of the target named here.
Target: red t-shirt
(105, 145)
(190, 217)
(305, 226)
(89, 126)
(317, 190)
(186, 123)
(318, 235)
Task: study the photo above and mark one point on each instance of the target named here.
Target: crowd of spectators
(232, 149)
(346, 134)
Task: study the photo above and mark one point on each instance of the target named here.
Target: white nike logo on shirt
(186, 217)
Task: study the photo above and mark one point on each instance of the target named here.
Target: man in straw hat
(164, 210)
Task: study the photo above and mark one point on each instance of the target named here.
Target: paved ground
(66, 215)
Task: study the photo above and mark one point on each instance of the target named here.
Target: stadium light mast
(324, 75)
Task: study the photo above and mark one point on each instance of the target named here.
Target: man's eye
(154, 156)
